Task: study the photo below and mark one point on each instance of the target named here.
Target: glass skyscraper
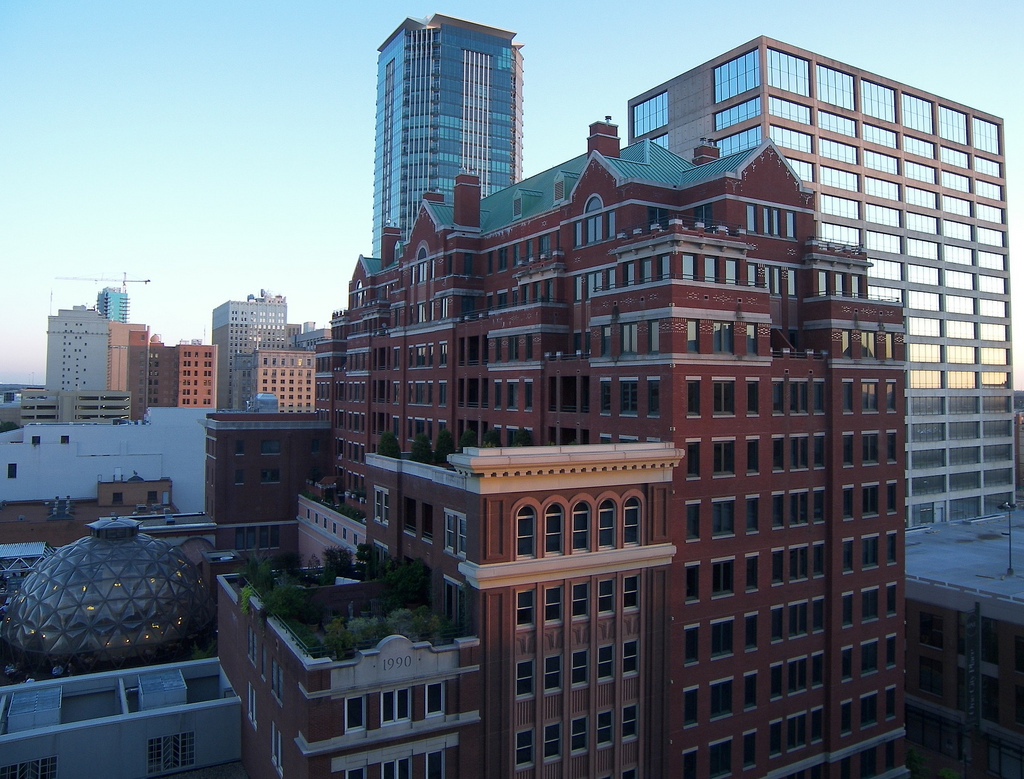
(449, 99)
(917, 181)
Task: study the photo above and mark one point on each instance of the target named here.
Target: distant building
(183, 374)
(77, 343)
(86, 351)
(256, 466)
(309, 337)
(40, 461)
(128, 363)
(449, 100)
(287, 375)
(240, 327)
(112, 304)
(965, 647)
(75, 406)
(162, 719)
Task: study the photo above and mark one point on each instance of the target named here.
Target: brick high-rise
(716, 587)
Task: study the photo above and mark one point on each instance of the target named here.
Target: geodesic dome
(114, 595)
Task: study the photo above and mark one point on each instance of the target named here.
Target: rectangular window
(580, 666)
(394, 706)
(552, 673)
(630, 656)
(524, 677)
(605, 661)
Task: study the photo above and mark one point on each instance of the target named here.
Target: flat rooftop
(969, 555)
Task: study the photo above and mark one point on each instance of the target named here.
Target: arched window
(592, 228)
(631, 521)
(526, 532)
(606, 524)
(581, 527)
(554, 518)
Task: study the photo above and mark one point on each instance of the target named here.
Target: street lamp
(1009, 507)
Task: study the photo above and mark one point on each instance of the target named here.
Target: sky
(220, 148)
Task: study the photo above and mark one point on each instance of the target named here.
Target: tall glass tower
(449, 99)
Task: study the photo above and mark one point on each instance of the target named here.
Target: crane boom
(125, 281)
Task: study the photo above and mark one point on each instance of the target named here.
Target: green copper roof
(371, 264)
(538, 195)
(644, 161)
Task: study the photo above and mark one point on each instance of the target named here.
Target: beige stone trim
(520, 572)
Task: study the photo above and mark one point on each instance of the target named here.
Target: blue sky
(220, 148)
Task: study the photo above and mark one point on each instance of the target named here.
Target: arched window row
(581, 528)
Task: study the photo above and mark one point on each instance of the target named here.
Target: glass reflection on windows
(837, 124)
(840, 179)
(881, 188)
(835, 87)
(788, 72)
(789, 110)
(737, 76)
(650, 114)
(878, 135)
(738, 113)
(988, 167)
(919, 147)
(986, 135)
(790, 139)
(837, 151)
(917, 113)
(954, 157)
(804, 170)
(985, 189)
(952, 125)
(740, 141)
(878, 101)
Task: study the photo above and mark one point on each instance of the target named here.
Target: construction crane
(125, 281)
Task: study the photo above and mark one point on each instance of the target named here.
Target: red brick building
(182, 374)
(256, 466)
(629, 296)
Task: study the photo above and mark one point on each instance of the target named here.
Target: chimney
(434, 196)
(389, 238)
(706, 151)
(467, 200)
(604, 138)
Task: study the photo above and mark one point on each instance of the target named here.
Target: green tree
(421, 451)
(444, 446)
(7, 426)
(492, 439)
(523, 437)
(258, 573)
(468, 438)
(916, 764)
(289, 601)
(288, 562)
(408, 582)
(388, 446)
(337, 562)
(366, 562)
